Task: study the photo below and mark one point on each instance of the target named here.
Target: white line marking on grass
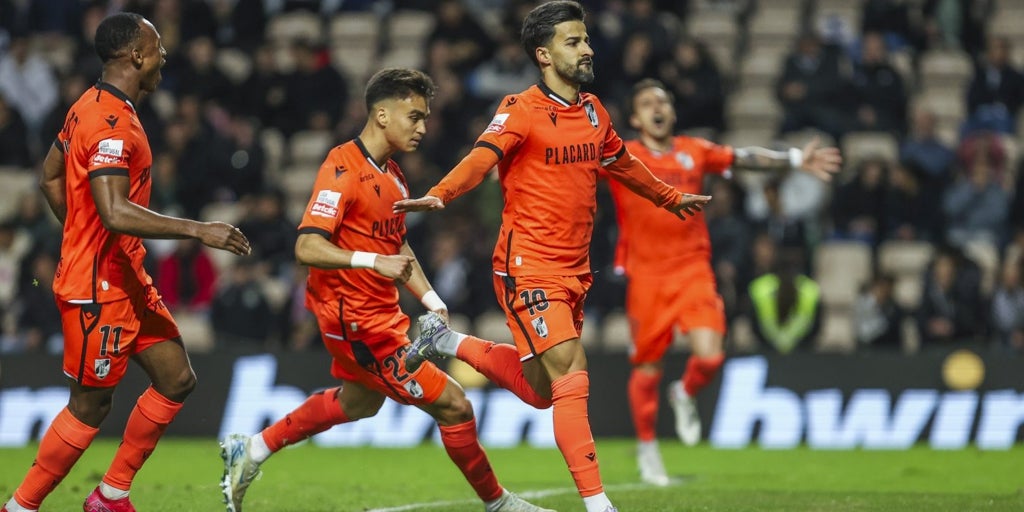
(542, 493)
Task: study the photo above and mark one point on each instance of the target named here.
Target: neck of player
(124, 82)
(376, 144)
(656, 144)
(567, 90)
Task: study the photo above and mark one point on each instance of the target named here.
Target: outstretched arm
(638, 178)
(53, 183)
(463, 178)
(121, 215)
(812, 159)
(420, 286)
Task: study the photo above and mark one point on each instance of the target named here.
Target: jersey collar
(118, 93)
(369, 158)
(554, 96)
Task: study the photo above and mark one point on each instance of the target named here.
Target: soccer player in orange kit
(549, 142)
(654, 248)
(96, 179)
(356, 247)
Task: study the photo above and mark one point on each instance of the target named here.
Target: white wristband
(432, 301)
(796, 158)
(362, 259)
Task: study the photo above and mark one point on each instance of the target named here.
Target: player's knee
(180, 385)
(90, 410)
(459, 410)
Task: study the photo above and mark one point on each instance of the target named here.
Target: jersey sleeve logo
(497, 124)
(326, 204)
(111, 147)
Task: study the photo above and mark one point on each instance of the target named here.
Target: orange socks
(152, 413)
(500, 364)
(572, 431)
(643, 402)
(62, 445)
(318, 413)
(700, 371)
(465, 451)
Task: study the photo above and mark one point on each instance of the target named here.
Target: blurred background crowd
(917, 244)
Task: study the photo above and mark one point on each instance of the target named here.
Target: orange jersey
(351, 206)
(101, 136)
(653, 241)
(550, 153)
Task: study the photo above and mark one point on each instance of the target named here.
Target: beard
(576, 73)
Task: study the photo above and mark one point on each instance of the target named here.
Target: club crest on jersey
(591, 113)
(540, 326)
(101, 367)
(685, 160)
(497, 125)
(413, 388)
(326, 204)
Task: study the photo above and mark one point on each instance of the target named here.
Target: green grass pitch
(182, 476)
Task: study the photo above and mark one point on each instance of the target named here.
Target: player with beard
(654, 249)
(549, 142)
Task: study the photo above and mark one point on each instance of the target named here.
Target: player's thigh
(652, 316)
(359, 401)
(541, 311)
(159, 349)
(700, 307)
(98, 341)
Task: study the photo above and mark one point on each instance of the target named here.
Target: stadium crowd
(917, 244)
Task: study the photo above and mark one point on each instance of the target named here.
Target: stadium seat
(402, 57)
(354, 26)
(947, 104)
(761, 67)
(196, 330)
(491, 326)
(297, 182)
(857, 146)
(739, 138)
(163, 103)
(589, 337)
(410, 28)
(309, 147)
(273, 148)
(723, 55)
(617, 334)
(774, 27)
(276, 291)
(754, 108)
(801, 138)
(946, 68)
(841, 268)
(295, 26)
(908, 291)
(356, 60)
(230, 212)
(903, 258)
(234, 63)
(720, 27)
(836, 333)
(986, 256)
(16, 183)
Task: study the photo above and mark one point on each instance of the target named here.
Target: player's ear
(543, 55)
(382, 115)
(136, 55)
(634, 121)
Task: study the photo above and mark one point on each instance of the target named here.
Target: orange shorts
(376, 360)
(542, 311)
(99, 338)
(655, 305)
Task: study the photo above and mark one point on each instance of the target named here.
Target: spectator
(71, 88)
(951, 305)
(695, 82)
(186, 277)
(449, 270)
(909, 214)
(508, 70)
(730, 241)
(881, 96)
(813, 90)
(996, 92)
(1008, 306)
(788, 231)
(786, 307)
(315, 93)
(14, 246)
(893, 19)
(956, 23)
(924, 150)
(459, 38)
(38, 326)
(14, 147)
(858, 206)
(28, 83)
(35, 221)
(198, 76)
(271, 234)
(242, 163)
(241, 313)
(976, 207)
(877, 318)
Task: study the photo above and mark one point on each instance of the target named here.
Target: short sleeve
(109, 152)
(717, 158)
(327, 204)
(507, 128)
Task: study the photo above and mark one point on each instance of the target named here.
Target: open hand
(225, 237)
(690, 204)
(423, 204)
(821, 162)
